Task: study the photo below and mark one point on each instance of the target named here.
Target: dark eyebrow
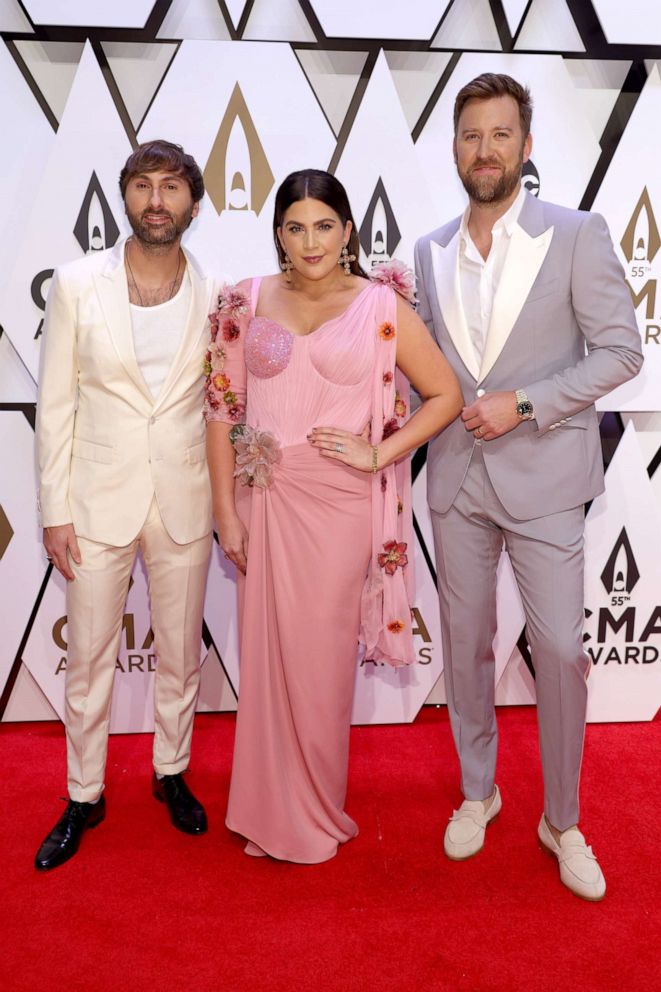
(166, 178)
(324, 220)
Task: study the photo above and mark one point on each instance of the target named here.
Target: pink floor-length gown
(312, 534)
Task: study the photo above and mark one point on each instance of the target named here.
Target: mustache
(490, 163)
(156, 213)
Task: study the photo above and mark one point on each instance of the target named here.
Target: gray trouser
(547, 558)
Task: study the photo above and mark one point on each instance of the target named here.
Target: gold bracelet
(375, 459)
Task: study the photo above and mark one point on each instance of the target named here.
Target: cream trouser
(95, 607)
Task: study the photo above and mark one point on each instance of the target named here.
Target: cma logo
(237, 175)
(640, 243)
(95, 230)
(619, 578)
(620, 574)
(530, 178)
(379, 233)
(135, 651)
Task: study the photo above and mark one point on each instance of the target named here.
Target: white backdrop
(255, 90)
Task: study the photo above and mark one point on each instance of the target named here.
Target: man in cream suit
(121, 449)
(529, 304)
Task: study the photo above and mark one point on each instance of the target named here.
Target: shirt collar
(508, 221)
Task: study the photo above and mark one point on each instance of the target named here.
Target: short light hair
(494, 84)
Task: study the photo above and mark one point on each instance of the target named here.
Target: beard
(165, 234)
(491, 189)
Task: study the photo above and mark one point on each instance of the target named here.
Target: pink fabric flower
(400, 406)
(393, 556)
(230, 329)
(232, 302)
(387, 378)
(256, 454)
(398, 276)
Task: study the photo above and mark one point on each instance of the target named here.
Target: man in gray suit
(529, 304)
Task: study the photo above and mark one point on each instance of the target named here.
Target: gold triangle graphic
(238, 175)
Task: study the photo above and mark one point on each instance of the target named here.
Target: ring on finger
(339, 447)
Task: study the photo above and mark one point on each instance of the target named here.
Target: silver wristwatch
(523, 405)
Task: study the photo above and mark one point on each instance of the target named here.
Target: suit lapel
(525, 256)
(445, 267)
(112, 288)
(194, 329)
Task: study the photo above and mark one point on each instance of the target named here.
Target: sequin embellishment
(267, 348)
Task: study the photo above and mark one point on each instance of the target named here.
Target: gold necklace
(135, 285)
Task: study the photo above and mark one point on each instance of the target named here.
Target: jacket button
(481, 392)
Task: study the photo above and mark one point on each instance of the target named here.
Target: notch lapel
(525, 256)
(445, 266)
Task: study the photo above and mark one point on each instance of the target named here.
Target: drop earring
(345, 260)
(287, 265)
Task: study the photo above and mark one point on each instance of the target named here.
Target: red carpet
(142, 907)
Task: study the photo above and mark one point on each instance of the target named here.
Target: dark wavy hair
(316, 185)
(163, 156)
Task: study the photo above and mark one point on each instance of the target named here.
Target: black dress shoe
(64, 839)
(186, 812)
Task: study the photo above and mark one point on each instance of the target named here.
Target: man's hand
(60, 542)
(492, 415)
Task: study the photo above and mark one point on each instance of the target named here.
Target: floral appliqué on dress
(232, 303)
(393, 556)
(256, 454)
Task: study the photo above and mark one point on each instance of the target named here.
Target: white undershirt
(478, 277)
(157, 332)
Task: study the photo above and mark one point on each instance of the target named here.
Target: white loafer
(465, 832)
(579, 868)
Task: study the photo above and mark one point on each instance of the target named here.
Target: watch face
(524, 409)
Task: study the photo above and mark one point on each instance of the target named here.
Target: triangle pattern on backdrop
(468, 24)
(194, 19)
(52, 65)
(277, 20)
(549, 27)
(333, 77)
(138, 69)
(416, 75)
(235, 9)
(514, 12)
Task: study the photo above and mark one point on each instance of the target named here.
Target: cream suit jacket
(105, 446)
(562, 327)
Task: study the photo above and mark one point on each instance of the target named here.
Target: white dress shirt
(157, 332)
(479, 278)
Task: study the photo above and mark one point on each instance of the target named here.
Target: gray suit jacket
(563, 328)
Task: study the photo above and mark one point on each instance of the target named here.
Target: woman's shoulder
(397, 277)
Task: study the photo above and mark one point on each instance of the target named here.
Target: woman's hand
(233, 538)
(352, 449)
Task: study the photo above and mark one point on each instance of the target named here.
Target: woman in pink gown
(307, 436)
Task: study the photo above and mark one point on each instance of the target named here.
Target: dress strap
(254, 293)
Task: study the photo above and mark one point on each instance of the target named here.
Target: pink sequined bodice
(267, 347)
(295, 383)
